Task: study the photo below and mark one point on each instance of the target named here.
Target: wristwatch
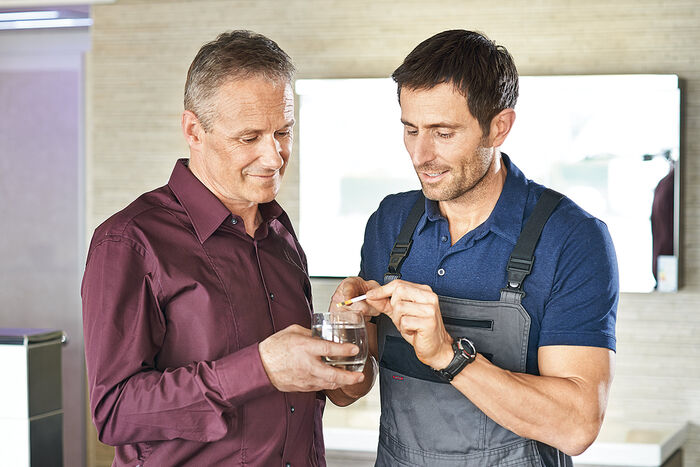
(465, 353)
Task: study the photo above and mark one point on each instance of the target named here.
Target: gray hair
(233, 55)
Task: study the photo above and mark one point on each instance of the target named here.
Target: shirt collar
(203, 208)
(506, 219)
(507, 216)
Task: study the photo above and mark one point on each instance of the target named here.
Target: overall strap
(403, 243)
(522, 257)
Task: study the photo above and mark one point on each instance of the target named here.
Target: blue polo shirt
(571, 294)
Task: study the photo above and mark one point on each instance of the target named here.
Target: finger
(414, 324)
(383, 291)
(389, 289)
(414, 293)
(334, 349)
(339, 377)
(421, 310)
(296, 329)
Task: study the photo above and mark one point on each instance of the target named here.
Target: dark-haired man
(196, 298)
(495, 323)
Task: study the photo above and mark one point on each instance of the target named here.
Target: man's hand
(415, 311)
(292, 361)
(352, 287)
(349, 288)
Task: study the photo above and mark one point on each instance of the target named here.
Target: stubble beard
(462, 179)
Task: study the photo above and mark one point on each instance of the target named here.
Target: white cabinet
(31, 411)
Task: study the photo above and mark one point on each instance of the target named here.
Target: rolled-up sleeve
(124, 323)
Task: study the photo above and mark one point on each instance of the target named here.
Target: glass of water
(342, 325)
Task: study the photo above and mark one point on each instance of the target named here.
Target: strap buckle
(398, 253)
(518, 269)
(390, 276)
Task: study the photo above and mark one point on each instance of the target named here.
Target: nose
(421, 149)
(272, 154)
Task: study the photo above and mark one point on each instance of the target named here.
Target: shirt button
(272, 296)
(291, 409)
(287, 465)
(441, 272)
(444, 238)
(234, 221)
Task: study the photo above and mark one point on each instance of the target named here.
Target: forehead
(442, 102)
(254, 98)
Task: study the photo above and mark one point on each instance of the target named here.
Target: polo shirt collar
(506, 219)
(205, 210)
(507, 216)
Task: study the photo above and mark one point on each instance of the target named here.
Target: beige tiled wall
(141, 51)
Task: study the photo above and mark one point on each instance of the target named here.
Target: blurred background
(90, 120)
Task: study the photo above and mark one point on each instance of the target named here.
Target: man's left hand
(415, 311)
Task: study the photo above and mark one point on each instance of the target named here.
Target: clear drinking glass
(341, 324)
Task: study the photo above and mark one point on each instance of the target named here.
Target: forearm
(346, 395)
(187, 402)
(564, 412)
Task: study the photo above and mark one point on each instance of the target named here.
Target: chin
(263, 198)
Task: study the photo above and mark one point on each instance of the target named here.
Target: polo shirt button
(441, 272)
(287, 465)
(272, 296)
(291, 409)
(444, 238)
(234, 221)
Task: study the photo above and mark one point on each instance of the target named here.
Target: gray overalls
(426, 421)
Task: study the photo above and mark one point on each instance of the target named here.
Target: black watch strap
(465, 353)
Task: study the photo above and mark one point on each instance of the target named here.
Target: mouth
(269, 176)
(432, 176)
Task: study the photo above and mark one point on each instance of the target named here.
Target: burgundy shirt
(176, 297)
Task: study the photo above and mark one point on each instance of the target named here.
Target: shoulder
(568, 220)
(133, 224)
(394, 208)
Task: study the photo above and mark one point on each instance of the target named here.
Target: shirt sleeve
(582, 307)
(130, 399)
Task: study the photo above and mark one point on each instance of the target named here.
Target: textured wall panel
(141, 51)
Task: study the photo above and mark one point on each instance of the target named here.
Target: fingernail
(355, 349)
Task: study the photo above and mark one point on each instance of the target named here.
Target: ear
(500, 127)
(192, 130)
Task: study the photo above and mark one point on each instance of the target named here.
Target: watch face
(467, 347)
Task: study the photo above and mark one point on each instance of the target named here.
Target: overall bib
(425, 421)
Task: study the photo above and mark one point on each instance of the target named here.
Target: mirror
(609, 142)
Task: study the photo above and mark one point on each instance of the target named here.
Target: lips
(263, 176)
(432, 176)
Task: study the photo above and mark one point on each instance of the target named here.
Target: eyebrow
(452, 126)
(251, 130)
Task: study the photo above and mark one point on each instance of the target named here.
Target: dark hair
(479, 69)
(233, 55)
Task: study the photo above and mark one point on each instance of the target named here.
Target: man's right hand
(291, 359)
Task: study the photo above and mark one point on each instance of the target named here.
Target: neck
(471, 209)
(247, 210)
(250, 214)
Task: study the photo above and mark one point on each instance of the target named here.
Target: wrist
(464, 353)
(444, 356)
(355, 391)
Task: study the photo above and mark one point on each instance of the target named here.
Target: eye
(445, 135)
(284, 133)
(411, 131)
(249, 139)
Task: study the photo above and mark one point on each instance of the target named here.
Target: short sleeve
(582, 307)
